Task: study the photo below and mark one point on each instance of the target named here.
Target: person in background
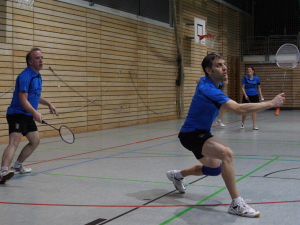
(251, 93)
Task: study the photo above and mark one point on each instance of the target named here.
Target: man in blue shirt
(22, 114)
(215, 157)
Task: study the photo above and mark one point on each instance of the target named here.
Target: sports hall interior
(108, 70)
(105, 70)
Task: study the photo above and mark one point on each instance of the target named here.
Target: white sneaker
(255, 127)
(242, 209)
(6, 175)
(219, 122)
(242, 126)
(179, 184)
(21, 170)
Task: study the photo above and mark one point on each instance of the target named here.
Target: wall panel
(109, 71)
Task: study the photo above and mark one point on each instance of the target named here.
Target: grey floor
(118, 176)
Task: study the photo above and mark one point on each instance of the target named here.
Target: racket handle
(277, 111)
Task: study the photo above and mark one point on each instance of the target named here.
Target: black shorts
(252, 99)
(21, 123)
(194, 141)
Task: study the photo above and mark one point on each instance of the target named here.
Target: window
(158, 12)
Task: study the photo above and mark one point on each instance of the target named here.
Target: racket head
(287, 56)
(66, 134)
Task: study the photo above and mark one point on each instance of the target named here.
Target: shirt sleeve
(216, 95)
(258, 81)
(23, 83)
(244, 80)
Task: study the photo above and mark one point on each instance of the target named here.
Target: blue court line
(31, 174)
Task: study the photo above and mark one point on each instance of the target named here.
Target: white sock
(178, 175)
(219, 120)
(17, 164)
(3, 168)
(237, 200)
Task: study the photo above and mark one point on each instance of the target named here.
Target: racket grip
(277, 111)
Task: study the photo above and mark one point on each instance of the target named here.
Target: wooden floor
(118, 177)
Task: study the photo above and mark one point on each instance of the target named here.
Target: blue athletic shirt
(205, 106)
(251, 85)
(31, 83)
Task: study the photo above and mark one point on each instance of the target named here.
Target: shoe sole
(19, 172)
(7, 177)
(243, 215)
(169, 177)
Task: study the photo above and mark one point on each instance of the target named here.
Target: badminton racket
(287, 58)
(65, 133)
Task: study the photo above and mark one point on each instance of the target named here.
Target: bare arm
(244, 92)
(260, 93)
(53, 110)
(224, 83)
(23, 96)
(250, 108)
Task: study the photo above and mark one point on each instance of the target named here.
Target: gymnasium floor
(117, 177)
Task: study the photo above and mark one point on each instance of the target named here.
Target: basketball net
(26, 3)
(209, 39)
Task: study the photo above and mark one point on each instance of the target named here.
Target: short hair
(208, 61)
(28, 56)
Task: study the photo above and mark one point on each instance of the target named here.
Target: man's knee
(34, 142)
(208, 171)
(227, 154)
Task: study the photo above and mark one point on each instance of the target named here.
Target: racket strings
(66, 134)
(287, 56)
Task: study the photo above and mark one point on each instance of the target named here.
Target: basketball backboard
(199, 30)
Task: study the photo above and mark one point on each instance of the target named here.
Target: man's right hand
(278, 100)
(38, 117)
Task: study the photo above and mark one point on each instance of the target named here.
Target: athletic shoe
(255, 127)
(219, 122)
(242, 126)
(242, 209)
(179, 184)
(21, 170)
(6, 175)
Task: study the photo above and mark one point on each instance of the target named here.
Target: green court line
(141, 181)
(217, 192)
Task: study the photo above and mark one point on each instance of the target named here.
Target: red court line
(101, 150)
(140, 206)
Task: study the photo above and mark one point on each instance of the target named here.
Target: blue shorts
(20, 123)
(194, 141)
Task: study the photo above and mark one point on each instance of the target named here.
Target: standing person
(251, 92)
(215, 157)
(22, 114)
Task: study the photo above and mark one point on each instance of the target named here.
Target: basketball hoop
(209, 39)
(26, 3)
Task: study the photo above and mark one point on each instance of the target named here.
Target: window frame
(101, 8)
